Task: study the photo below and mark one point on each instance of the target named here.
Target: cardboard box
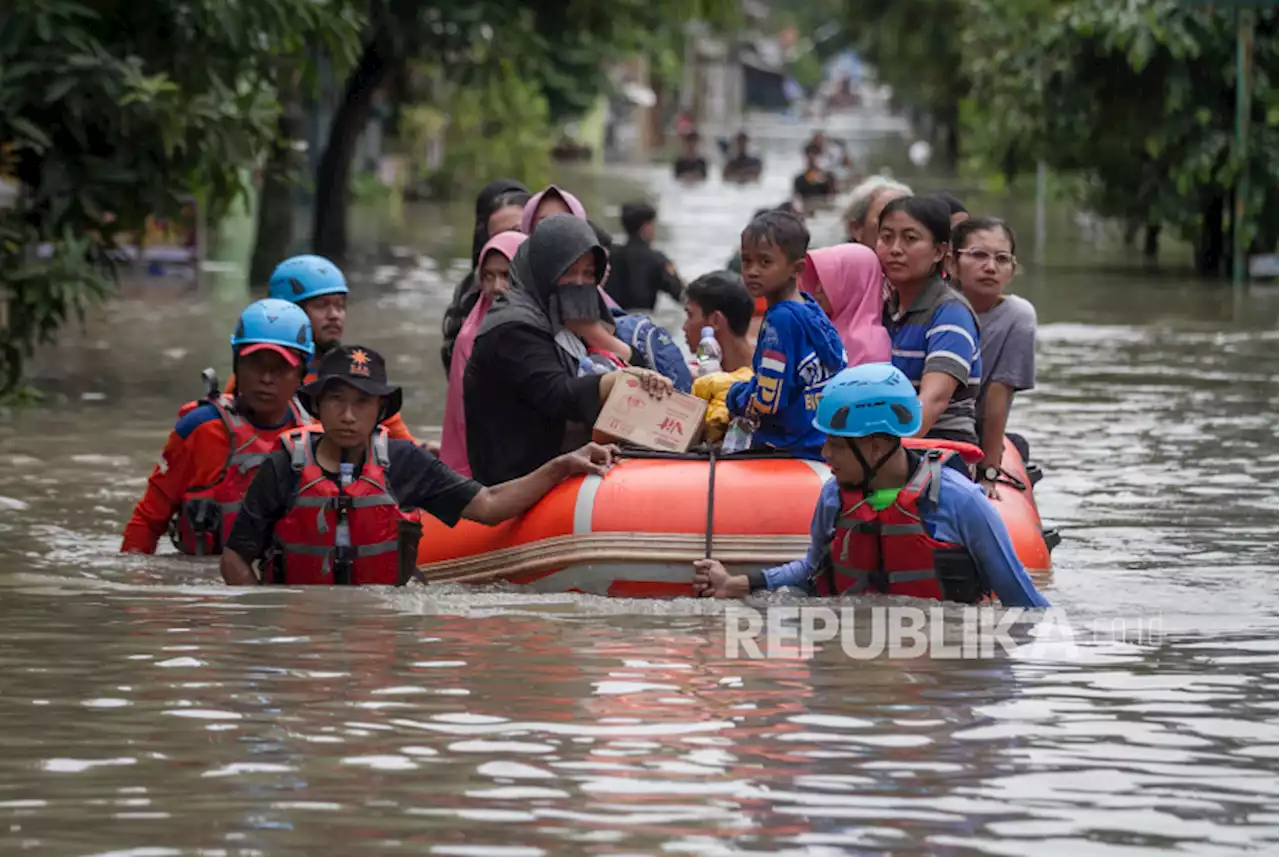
(672, 424)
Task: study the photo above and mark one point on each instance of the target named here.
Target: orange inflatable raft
(635, 532)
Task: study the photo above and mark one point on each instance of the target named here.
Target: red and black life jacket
(891, 551)
(206, 512)
(384, 540)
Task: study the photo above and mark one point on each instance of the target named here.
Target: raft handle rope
(705, 455)
(1007, 478)
(711, 502)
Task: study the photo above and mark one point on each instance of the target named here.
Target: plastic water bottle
(738, 437)
(342, 535)
(708, 353)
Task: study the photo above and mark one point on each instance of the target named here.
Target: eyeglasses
(982, 257)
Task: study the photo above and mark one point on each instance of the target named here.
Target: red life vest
(206, 512)
(384, 541)
(891, 551)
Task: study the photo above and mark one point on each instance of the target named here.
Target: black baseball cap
(356, 366)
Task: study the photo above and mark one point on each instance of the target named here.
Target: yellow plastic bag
(714, 388)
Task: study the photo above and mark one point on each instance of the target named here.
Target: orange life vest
(384, 541)
(891, 551)
(206, 512)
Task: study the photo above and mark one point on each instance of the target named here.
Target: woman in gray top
(982, 264)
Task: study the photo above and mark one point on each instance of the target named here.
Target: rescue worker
(891, 520)
(326, 507)
(218, 442)
(318, 286)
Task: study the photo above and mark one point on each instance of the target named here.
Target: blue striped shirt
(939, 333)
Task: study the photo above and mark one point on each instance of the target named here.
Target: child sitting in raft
(720, 301)
(798, 349)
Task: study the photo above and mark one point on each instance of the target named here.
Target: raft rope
(711, 502)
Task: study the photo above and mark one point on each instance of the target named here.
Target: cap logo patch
(359, 362)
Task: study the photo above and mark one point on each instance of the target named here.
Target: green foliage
(113, 111)
(914, 47)
(496, 126)
(1133, 102)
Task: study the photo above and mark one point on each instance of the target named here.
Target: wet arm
(263, 505)
(983, 534)
(821, 528)
(168, 480)
(995, 416)
(936, 389)
(498, 503)
(235, 571)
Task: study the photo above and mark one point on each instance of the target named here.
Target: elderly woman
(526, 390)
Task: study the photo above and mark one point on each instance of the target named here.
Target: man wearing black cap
(326, 508)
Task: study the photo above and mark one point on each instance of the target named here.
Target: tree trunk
(1151, 243)
(329, 223)
(275, 199)
(948, 124)
(1211, 248)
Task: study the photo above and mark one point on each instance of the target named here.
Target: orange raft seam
(556, 552)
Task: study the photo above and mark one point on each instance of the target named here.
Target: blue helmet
(276, 323)
(874, 398)
(301, 278)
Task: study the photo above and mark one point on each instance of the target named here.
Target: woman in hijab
(499, 208)
(522, 388)
(847, 282)
(495, 264)
(548, 202)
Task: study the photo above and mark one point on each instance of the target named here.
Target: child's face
(766, 270)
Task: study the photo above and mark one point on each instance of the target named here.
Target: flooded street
(148, 711)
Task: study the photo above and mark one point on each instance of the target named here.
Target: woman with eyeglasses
(982, 263)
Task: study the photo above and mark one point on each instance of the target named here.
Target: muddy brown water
(148, 711)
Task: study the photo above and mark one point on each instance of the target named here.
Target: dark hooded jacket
(521, 390)
(466, 293)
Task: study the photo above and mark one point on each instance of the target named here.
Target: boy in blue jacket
(798, 349)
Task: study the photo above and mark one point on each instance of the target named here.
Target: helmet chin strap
(869, 471)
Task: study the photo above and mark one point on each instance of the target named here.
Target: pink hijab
(453, 440)
(852, 279)
(576, 208)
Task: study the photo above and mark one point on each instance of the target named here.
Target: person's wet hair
(954, 205)
(635, 215)
(812, 149)
(961, 234)
(782, 229)
(931, 213)
(723, 291)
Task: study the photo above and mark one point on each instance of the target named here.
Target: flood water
(148, 711)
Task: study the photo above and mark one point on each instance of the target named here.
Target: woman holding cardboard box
(526, 392)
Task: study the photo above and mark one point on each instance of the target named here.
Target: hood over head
(853, 281)
(576, 208)
(536, 267)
